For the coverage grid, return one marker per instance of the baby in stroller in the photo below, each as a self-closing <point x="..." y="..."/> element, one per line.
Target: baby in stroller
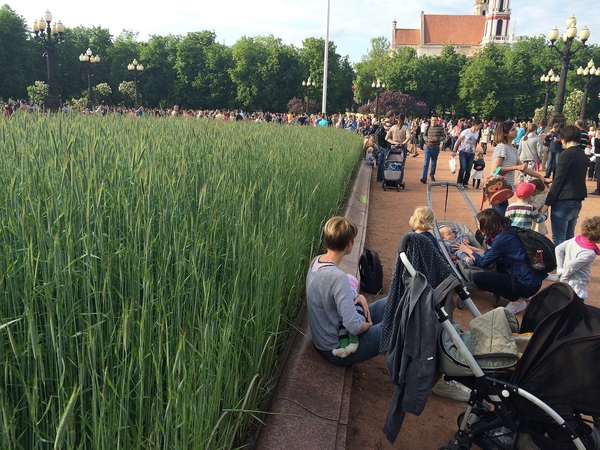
<point x="452" y="239"/>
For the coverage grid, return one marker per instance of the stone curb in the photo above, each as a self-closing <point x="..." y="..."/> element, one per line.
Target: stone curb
<point x="310" y="406"/>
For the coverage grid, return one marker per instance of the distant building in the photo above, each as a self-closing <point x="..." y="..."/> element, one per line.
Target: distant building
<point x="468" y="33"/>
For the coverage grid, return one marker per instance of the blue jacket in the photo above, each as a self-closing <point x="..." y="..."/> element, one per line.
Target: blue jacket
<point x="509" y="251"/>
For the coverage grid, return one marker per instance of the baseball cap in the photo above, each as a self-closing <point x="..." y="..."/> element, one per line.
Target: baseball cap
<point x="525" y="190"/>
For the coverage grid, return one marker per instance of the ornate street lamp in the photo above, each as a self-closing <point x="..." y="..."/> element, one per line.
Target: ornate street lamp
<point x="589" y="74"/>
<point x="136" y="68"/>
<point x="88" y="60"/>
<point x="308" y="83"/>
<point x="565" y="58"/>
<point x="49" y="34"/>
<point x="378" y="86"/>
<point x="549" y="79"/>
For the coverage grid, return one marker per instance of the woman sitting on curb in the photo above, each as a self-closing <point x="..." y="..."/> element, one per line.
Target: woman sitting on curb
<point x="514" y="278"/>
<point x="331" y="300"/>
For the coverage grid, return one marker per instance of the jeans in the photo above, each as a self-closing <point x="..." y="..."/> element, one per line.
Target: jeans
<point x="551" y="163"/>
<point x="501" y="208"/>
<point x="430" y="153"/>
<point x="563" y="218"/>
<point x="466" y="164"/>
<point x="380" y="161"/>
<point x="368" y="342"/>
<point x="502" y="284"/>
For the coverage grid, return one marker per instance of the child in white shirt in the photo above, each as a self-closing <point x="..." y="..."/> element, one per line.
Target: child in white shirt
<point x="574" y="257"/>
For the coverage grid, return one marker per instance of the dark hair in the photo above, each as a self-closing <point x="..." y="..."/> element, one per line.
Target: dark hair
<point x="477" y="122"/>
<point x="539" y="185"/>
<point x="491" y="221"/>
<point x="570" y="133"/>
<point x="502" y="130"/>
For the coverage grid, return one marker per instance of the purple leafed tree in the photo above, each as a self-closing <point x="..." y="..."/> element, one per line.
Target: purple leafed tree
<point x="298" y="106"/>
<point x="397" y="103"/>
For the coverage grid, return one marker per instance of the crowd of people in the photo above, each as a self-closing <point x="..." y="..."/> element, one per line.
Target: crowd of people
<point x="547" y="172"/>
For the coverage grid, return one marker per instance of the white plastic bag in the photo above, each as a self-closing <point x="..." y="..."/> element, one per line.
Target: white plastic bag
<point x="452" y="164"/>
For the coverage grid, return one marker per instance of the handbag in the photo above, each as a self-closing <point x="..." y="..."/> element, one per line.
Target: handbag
<point x="452" y="163"/>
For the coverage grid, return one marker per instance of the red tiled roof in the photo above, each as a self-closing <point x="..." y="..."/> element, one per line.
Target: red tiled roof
<point x="408" y="37"/>
<point x="455" y="29"/>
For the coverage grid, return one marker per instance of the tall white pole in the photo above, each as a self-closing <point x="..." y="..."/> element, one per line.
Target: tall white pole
<point x="326" y="63"/>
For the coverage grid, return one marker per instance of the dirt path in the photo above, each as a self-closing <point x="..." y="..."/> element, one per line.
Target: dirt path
<point x="389" y="212"/>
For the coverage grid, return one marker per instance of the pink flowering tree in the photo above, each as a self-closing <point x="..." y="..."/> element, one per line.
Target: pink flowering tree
<point x="397" y="103"/>
<point x="298" y="106"/>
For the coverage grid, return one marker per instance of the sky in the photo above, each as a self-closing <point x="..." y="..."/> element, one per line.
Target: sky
<point x="352" y="23"/>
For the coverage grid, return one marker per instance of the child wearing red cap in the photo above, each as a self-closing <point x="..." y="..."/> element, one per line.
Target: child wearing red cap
<point x="522" y="213"/>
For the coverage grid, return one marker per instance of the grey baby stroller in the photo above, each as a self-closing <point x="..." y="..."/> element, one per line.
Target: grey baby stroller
<point x="393" y="169"/>
<point x="535" y="390"/>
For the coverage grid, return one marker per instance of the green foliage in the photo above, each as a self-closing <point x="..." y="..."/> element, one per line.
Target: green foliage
<point x="145" y="295"/>
<point x="127" y="88"/>
<point x="572" y="106"/>
<point x="16" y="55"/>
<point x="37" y="92"/>
<point x="102" y="92"/>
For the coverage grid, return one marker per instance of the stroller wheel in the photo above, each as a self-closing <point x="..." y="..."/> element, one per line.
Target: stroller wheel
<point x="383" y="185"/>
<point x="397" y="187"/>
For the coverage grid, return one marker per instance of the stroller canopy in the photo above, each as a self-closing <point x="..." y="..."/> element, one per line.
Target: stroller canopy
<point x="561" y="362"/>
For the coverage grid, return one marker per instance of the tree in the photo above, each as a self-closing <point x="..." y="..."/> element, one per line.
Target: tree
<point x="481" y="85"/>
<point x="16" y="55"/>
<point x="266" y="72"/>
<point x="341" y="75"/>
<point x="37" y="92"/>
<point x="397" y="103"/>
<point x="102" y="92"/>
<point x="161" y="83"/>
<point x="372" y="66"/>
<point x="202" y="65"/>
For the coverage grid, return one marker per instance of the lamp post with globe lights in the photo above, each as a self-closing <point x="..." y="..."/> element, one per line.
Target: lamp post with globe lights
<point x="308" y="83"/>
<point x="88" y="60"/>
<point x="549" y="79"/>
<point x="136" y="68"/>
<point x="378" y="86"/>
<point x="49" y="34"/>
<point x="565" y="57"/>
<point x="589" y="74"/>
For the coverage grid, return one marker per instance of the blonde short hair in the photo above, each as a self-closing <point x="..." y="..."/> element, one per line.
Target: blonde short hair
<point x="422" y="219"/>
<point x="590" y="228"/>
<point x="338" y="232"/>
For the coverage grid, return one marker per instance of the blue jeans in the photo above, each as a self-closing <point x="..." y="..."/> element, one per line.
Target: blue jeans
<point x="563" y="219"/>
<point x="466" y="164"/>
<point x="501" y="208"/>
<point x="368" y="342"/>
<point x="430" y="154"/>
<point x="551" y="163"/>
<point x="502" y="284"/>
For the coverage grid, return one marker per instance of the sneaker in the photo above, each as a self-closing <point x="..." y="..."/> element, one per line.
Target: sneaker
<point x="465" y="187"/>
<point x="432" y="178"/>
<point x="552" y="277"/>
<point x="513" y="308"/>
<point x="594" y="193"/>
<point x="423" y="180"/>
<point x="452" y="389"/>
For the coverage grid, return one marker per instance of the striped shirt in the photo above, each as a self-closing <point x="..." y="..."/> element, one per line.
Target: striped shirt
<point x="510" y="158"/>
<point x="523" y="215"/>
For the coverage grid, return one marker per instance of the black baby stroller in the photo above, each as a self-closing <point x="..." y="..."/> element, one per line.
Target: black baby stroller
<point x="539" y="401"/>
<point x="393" y="168"/>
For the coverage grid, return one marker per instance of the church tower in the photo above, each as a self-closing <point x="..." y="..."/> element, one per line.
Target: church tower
<point x="480" y="8"/>
<point x="497" y="21"/>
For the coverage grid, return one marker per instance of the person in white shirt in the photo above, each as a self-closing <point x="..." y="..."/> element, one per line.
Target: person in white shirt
<point x="467" y="142"/>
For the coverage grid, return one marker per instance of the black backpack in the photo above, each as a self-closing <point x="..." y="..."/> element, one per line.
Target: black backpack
<point x="371" y="272"/>
<point x="540" y="249"/>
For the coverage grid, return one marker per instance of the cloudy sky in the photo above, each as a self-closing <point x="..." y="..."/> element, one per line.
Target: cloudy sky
<point x="352" y="23"/>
